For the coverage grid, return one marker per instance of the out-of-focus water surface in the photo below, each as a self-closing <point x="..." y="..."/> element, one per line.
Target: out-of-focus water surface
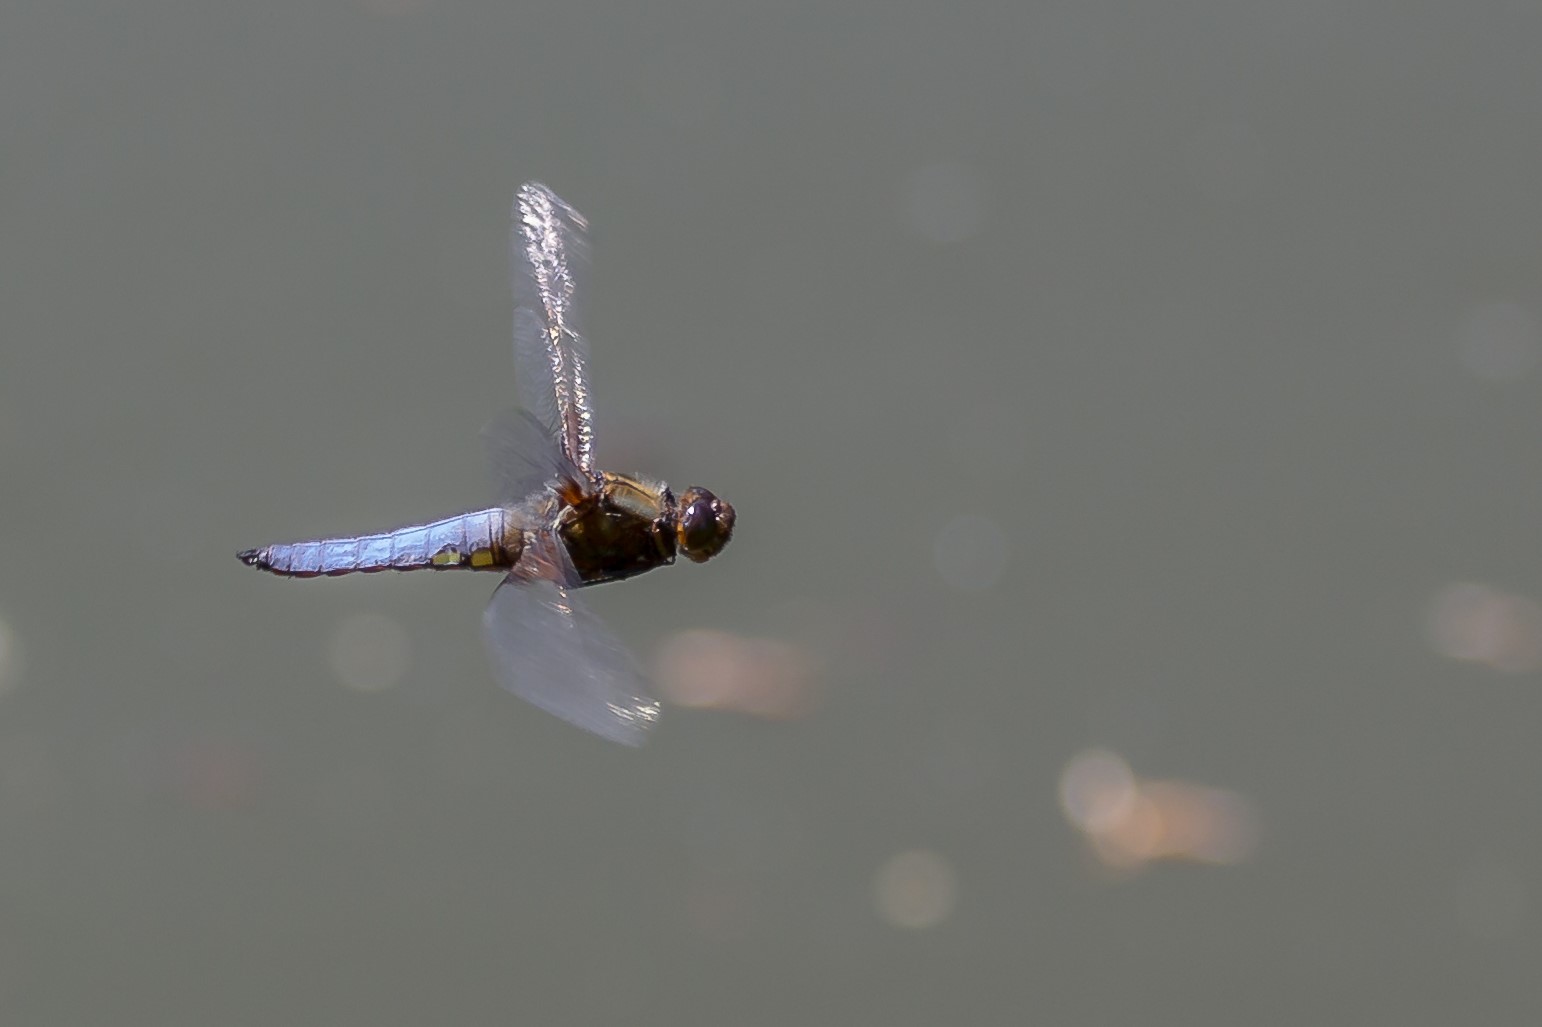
<point x="1133" y="417"/>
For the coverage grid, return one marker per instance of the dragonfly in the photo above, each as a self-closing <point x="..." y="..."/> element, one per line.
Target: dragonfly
<point x="560" y="524"/>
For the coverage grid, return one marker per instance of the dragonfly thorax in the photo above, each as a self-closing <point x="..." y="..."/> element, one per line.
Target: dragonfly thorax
<point x="621" y="530"/>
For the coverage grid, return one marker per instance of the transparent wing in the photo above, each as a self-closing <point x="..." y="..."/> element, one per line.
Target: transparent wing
<point x="551" y="650"/>
<point x="549" y="253"/>
<point x="524" y="458"/>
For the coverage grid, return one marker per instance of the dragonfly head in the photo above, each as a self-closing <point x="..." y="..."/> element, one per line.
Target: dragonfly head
<point x="704" y="525"/>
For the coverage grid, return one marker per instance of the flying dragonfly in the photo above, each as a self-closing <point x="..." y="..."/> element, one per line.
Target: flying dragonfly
<point x="560" y="524"/>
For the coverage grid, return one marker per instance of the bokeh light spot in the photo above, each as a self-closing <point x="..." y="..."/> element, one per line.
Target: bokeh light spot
<point x="915" y="889"/>
<point x="1129" y="821"/>
<point x="1481" y="624"/>
<point x="1097" y="790"/>
<point x="717" y="670"/>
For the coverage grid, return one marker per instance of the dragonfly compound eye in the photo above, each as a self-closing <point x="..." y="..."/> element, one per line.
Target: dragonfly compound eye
<point x="705" y="526"/>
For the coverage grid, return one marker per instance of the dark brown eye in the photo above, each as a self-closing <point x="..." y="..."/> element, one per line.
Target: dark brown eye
<point x="698" y="525"/>
<point x="705" y="525"/>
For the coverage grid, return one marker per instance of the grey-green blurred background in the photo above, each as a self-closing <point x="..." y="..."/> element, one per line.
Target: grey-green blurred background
<point x="1152" y="379"/>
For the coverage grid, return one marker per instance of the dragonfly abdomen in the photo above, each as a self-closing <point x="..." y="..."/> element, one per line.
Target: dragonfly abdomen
<point x="483" y="540"/>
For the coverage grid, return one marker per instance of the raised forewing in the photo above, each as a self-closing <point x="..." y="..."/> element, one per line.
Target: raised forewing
<point x="550" y="649"/>
<point x="549" y="251"/>
<point x="524" y="458"/>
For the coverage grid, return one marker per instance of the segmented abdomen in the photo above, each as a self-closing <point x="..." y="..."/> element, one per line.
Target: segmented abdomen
<point x="484" y="540"/>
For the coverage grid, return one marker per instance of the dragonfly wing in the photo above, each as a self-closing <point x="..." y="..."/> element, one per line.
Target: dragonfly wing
<point x="549" y="255"/>
<point x="524" y="458"/>
<point x="551" y="650"/>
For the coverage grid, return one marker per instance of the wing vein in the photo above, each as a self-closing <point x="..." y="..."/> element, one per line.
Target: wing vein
<point x="549" y="247"/>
